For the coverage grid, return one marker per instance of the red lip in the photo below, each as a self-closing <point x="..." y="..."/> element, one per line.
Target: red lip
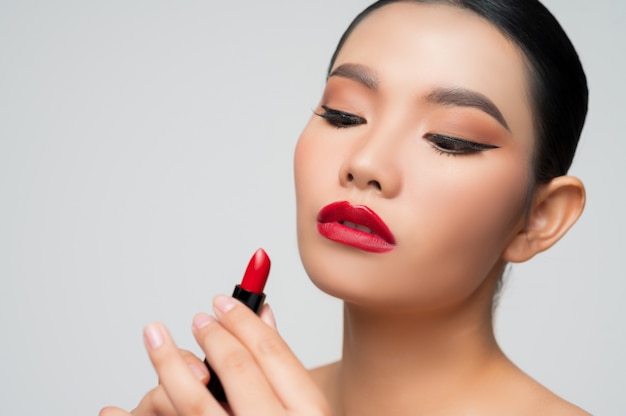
<point x="330" y="224"/>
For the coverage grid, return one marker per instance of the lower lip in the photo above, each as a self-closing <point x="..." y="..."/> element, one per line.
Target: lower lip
<point x="339" y="233"/>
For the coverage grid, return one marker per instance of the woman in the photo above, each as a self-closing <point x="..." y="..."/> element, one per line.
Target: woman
<point x="437" y="155"/>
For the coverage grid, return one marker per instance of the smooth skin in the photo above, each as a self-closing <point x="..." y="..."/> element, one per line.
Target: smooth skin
<point x="418" y="333"/>
<point x="246" y="351"/>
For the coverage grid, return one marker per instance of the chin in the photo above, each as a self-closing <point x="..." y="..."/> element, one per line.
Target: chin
<point x="381" y="281"/>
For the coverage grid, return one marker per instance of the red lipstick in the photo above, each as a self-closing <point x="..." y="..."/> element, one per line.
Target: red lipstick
<point x="356" y="226"/>
<point x="258" y="269"/>
<point x="250" y="293"/>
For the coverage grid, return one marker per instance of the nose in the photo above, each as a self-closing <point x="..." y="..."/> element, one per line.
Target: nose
<point x="372" y="164"/>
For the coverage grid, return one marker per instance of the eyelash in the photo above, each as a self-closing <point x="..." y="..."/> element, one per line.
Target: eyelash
<point x="445" y="145"/>
<point x="340" y="119"/>
<point x="453" y="146"/>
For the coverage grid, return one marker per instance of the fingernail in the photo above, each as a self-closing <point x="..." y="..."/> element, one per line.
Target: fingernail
<point x="223" y="303"/>
<point x="200" y="371"/>
<point x="153" y="336"/>
<point x="201" y="320"/>
<point x="267" y="316"/>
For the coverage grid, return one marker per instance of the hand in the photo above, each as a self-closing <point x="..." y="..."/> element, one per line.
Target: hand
<point x="156" y="401"/>
<point x="260" y="375"/>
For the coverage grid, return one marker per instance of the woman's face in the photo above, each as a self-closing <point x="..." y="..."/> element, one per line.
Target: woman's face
<point x="426" y="120"/>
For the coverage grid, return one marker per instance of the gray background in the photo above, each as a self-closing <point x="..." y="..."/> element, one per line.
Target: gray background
<point x="146" y="152"/>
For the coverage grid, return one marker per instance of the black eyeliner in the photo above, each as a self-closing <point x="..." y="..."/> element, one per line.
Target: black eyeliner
<point x="468" y="147"/>
<point x="340" y="119"/>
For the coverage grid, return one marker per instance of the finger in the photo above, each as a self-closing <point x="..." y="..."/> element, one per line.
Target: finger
<point x="113" y="411"/>
<point x="155" y="403"/>
<point x="197" y="366"/>
<point x="246" y="387"/>
<point x="287" y="376"/>
<point x="267" y="316"/>
<point x="186" y="393"/>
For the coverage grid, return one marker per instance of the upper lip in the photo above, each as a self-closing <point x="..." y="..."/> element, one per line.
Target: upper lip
<point x="359" y="215"/>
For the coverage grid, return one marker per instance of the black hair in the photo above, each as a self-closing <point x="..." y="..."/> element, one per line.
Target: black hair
<point x="558" y="82"/>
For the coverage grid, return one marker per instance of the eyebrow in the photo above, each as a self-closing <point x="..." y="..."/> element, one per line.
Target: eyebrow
<point x="455" y="97"/>
<point x="461" y="97"/>
<point x="359" y="73"/>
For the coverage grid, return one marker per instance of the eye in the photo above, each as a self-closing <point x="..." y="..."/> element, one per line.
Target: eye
<point x="455" y="146"/>
<point x="340" y="119"/>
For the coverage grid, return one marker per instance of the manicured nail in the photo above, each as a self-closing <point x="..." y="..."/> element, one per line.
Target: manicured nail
<point x="201" y="320"/>
<point x="223" y="303"/>
<point x="199" y="370"/>
<point x="154" y="336"/>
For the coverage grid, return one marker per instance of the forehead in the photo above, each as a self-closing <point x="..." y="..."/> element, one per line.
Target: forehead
<point x="415" y="47"/>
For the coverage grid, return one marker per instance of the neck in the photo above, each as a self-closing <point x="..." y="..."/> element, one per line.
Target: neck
<point x="417" y="361"/>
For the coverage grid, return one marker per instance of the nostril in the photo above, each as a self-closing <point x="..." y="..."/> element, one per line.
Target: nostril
<point x="375" y="184"/>
<point x="350" y="177"/>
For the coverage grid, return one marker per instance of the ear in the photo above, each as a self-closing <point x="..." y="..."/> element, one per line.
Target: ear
<point x="556" y="207"/>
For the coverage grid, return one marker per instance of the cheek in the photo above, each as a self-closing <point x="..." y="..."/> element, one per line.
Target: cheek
<point x="310" y="170"/>
<point x="461" y="222"/>
<point x="313" y="167"/>
<point x="318" y="157"/>
<point x="317" y="162"/>
<point x="487" y="201"/>
<point x="309" y="164"/>
<point x="451" y="222"/>
<point x="479" y="203"/>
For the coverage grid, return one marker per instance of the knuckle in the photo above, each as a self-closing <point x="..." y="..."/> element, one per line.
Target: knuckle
<point x="190" y="358"/>
<point x="271" y="346"/>
<point x="155" y="401"/>
<point x="236" y="361"/>
<point x="195" y="406"/>
<point x="185" y="353"/>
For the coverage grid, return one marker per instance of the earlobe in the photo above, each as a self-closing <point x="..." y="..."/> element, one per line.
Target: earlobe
<point x="556" y="207"/>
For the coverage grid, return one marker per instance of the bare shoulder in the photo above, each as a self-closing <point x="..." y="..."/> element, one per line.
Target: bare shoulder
<point x="532" y="398"/>
<point x="507" y="390"/>
<point x="568" y="409"/>
<point x="552" y="405"/>
<point x="549" y="404"/>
